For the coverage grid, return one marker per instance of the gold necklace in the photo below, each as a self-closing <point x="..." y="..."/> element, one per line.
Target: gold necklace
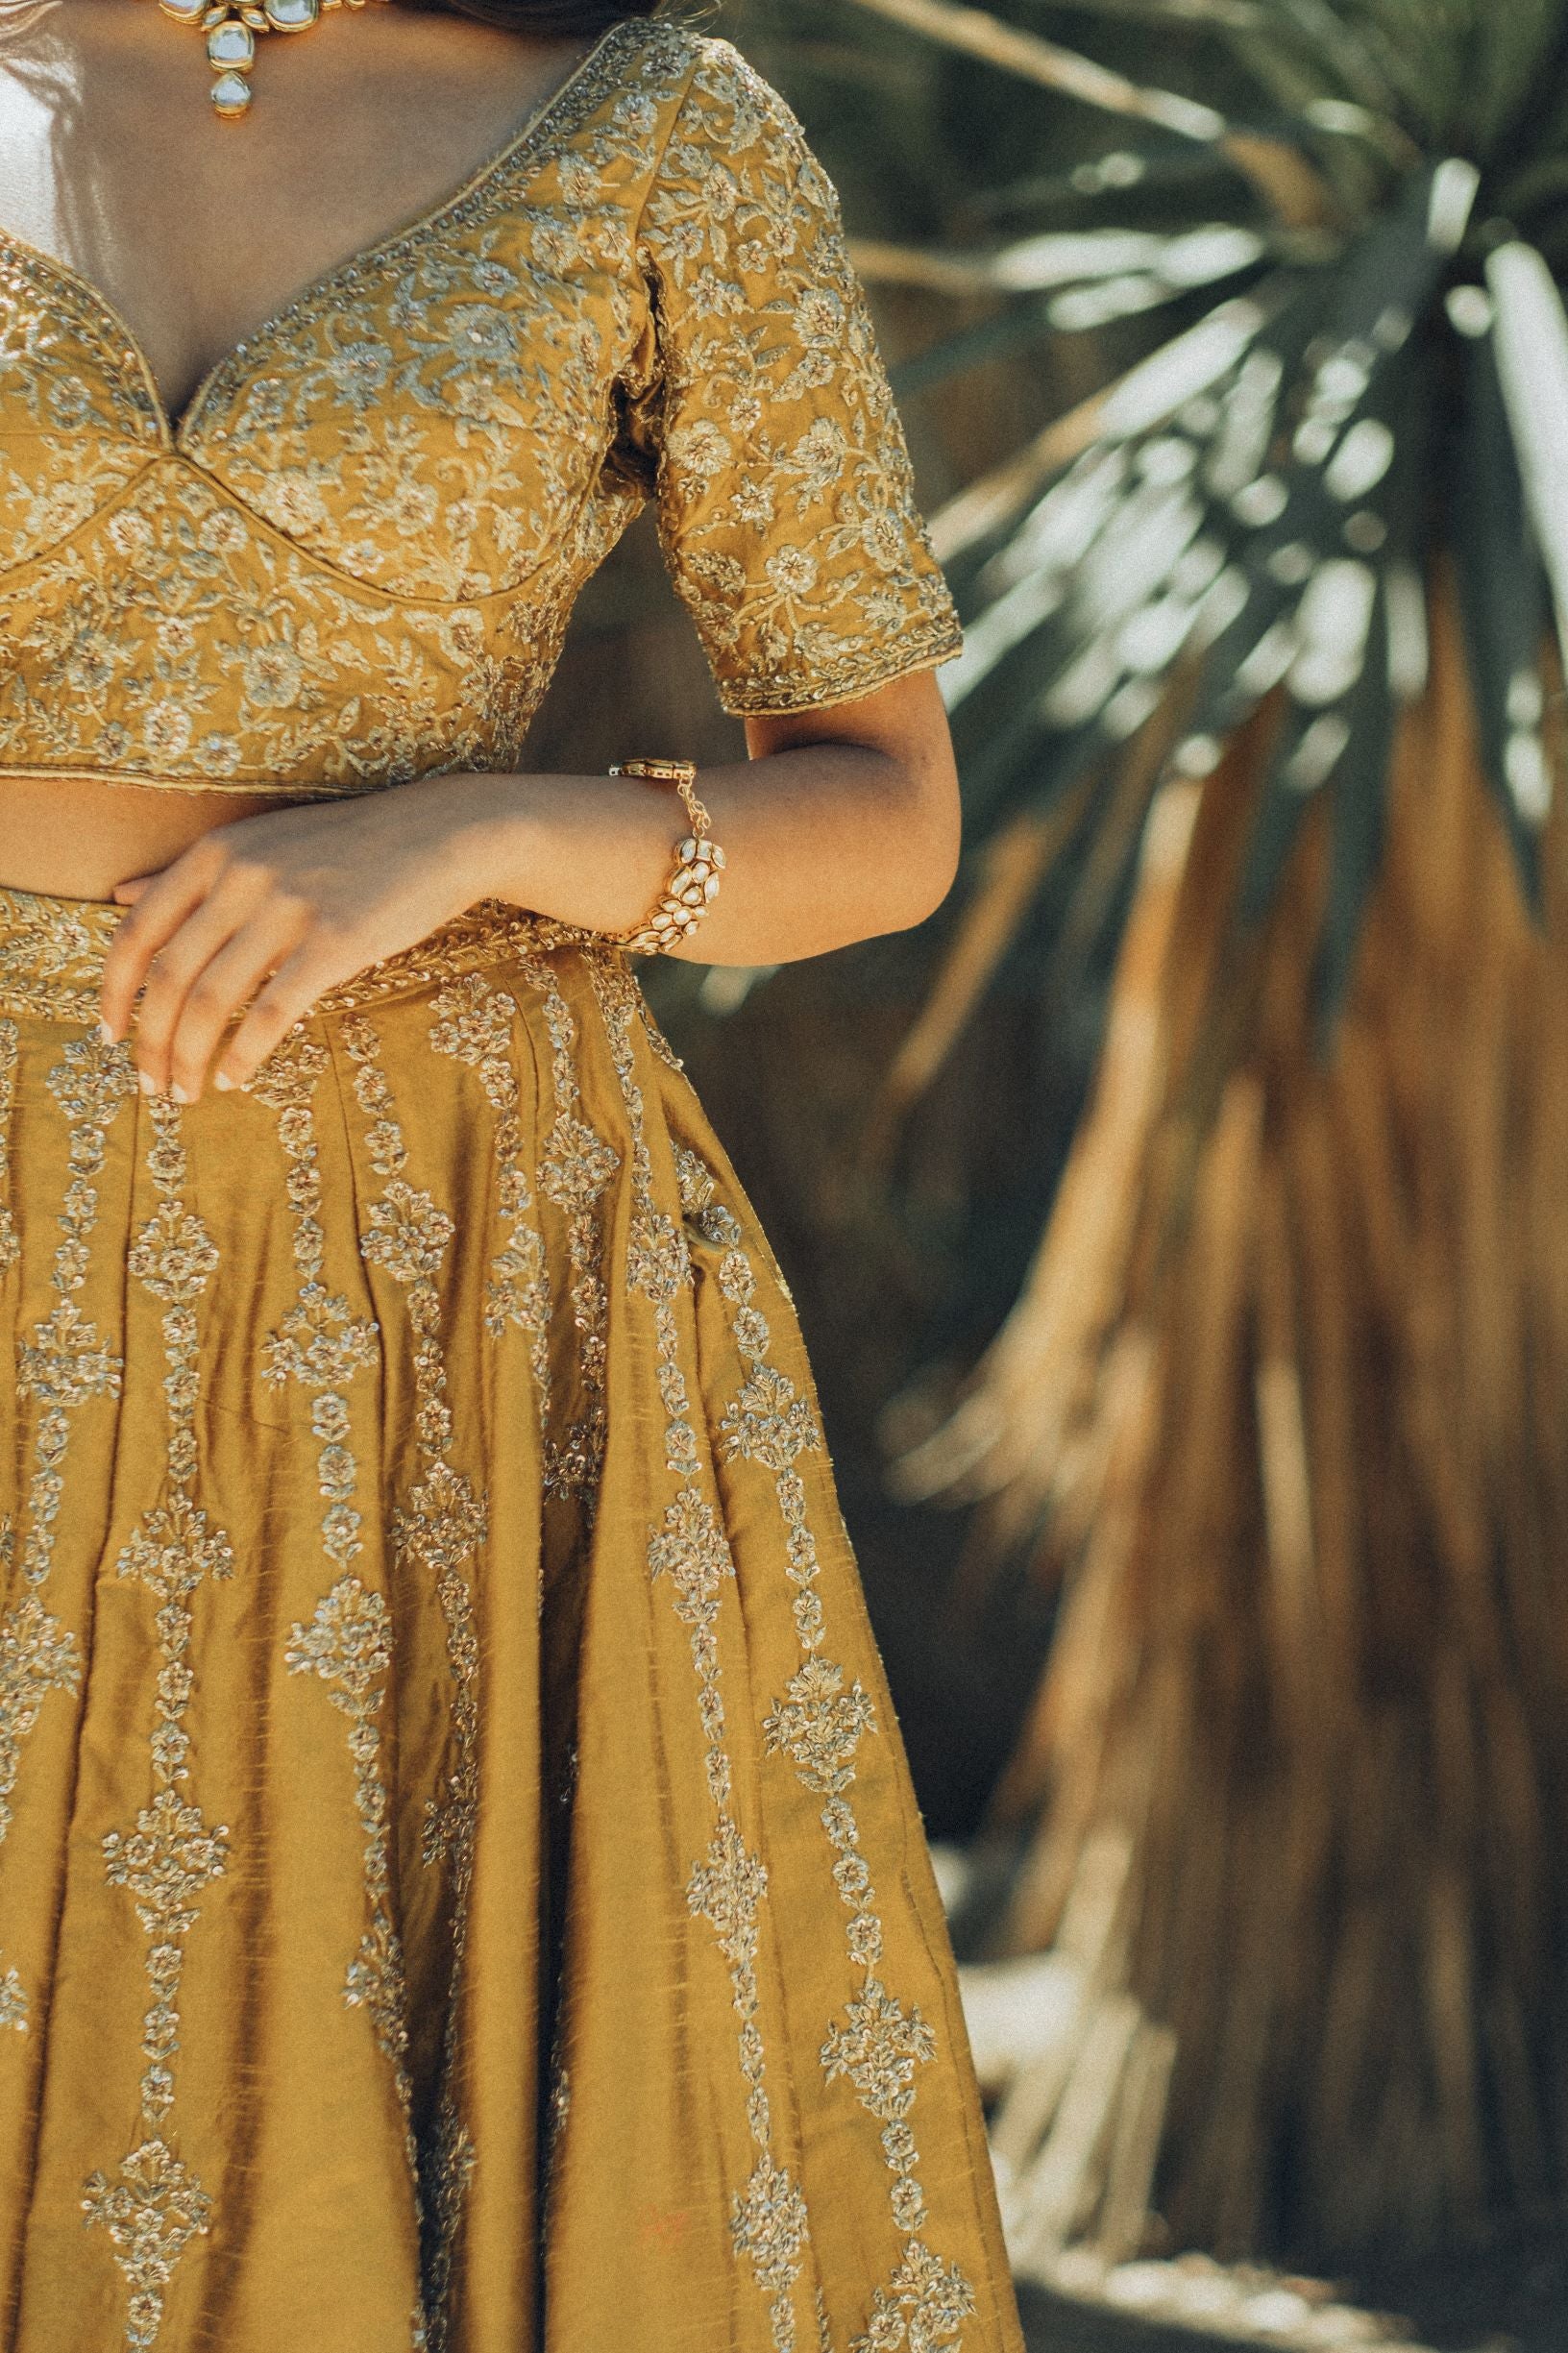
<point x="231" y="26"/>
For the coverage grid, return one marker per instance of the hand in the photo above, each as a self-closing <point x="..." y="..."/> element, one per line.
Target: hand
<point x="264" y="916"/>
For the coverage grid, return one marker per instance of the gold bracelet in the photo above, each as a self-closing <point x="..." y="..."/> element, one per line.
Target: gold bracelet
<point x="700" y="862"/>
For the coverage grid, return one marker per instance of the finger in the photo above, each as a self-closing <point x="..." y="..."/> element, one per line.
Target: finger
<point x="127" y="893"/>
<point x="317" y="965"/>
<point x="228" y="982"/>
<point x="161" y="909"/>
<point x="174" y="967"/>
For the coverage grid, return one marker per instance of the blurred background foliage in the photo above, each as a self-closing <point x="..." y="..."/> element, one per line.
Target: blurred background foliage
<point x="1179" y="1219"/>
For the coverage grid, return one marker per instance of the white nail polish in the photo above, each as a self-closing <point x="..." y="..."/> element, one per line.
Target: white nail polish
<point x="105" y="1033"/>
<point x="179" y="1094"/>
<point x="145" y="1083"/>
<point x="222" y="1080"/>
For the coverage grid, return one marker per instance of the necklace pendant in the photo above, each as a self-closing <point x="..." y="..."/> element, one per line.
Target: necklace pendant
<point x="231" y="50"/>
<point x="231" y="95"/>
<point x="230" y="27"/>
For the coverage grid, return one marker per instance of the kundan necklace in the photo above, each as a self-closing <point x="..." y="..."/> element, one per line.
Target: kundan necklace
<point x="231" y="26"/>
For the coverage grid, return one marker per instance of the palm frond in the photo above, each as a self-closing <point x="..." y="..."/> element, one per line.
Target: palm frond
<point x="1259" y="494"/>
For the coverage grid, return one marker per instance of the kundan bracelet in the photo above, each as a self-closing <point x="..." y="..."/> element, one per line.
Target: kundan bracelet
<point x="694" y="886"/>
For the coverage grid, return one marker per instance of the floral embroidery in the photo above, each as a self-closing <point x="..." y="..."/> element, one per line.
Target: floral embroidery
<point x="348" y="1645"/>
<point x="923" y="2307"/>
<point x="64" y="1362"/>
<point x="820" y="1726"/>
<point x="91" y="420"/>
<point x="770" y="2227"/>
<point x="50" y="958"/>
<point x="62" y="1365"/>
<point x="878" y="2045"/>
<point x="37" y="1656"/>
<point x="152" y="2210"/>
<point x="475" y="1023"/>
<point x="785" y="493"/>
<point x="321" y="1344"/>
<point x="437" y="1531"/>
<point x="769" y="2223"/>
<point x="878" y="2052"/>
<point x="9" y="1244"/>
<point x="354" y="560"/>
<point x="781" y="1780"/>
<point x="575" y="1170"/>
<point x="152" y="2205"/>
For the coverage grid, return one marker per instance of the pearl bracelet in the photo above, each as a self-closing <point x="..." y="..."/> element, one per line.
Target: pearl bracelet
<point x="694" y="886"/>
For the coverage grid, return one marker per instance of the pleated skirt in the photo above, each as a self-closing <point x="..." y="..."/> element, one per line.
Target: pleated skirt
<point x="460" y="1886"/>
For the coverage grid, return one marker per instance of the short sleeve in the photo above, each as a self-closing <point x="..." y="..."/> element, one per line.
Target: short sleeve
<point x="785" y="495"/>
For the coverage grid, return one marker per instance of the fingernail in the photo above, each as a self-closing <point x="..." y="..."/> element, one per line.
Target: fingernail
<point x="144" y="1081"/>
<point x="222" y="1080"/>
<point x="105" y="1033"/>
<point x="178" y="1093"/>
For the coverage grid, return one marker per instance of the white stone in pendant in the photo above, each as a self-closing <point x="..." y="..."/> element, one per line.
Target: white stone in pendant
<point x="231" y="44"/>
<point x="292" y="15"/>
<point x="184" y="11"/>
<point x="231" y="93"/>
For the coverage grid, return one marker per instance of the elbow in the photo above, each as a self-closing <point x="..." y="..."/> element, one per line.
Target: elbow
<point x="928" y="883"/>
<point x="932" y="841"/>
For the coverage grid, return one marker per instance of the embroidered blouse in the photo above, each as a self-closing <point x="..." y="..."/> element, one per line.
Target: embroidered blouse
<point x="352" y="560"/>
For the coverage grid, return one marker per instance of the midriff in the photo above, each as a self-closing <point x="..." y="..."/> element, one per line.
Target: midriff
<point x="78" y="839"/>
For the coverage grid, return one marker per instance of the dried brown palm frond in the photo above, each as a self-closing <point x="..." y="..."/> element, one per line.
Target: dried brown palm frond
<point x="1283" y="1410"/>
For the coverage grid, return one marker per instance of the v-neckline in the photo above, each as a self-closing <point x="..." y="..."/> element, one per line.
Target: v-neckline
<point x="174" y="432"/>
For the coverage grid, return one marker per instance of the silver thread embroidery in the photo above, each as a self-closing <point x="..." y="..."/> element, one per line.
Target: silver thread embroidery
<point x="153" y="2205"/>
<point x="770" y="2226"/>
<point x="436" y="1533"/>
<point x="321" y="1345"/>
<point x="61" y="1363"/>
<point x="818" y="1723"/>
<point x="575" y="1168"/>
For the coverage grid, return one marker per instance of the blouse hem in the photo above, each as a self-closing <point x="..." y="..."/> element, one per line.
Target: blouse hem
<point x="150" y="781"/>
<point x="758" y="703"/>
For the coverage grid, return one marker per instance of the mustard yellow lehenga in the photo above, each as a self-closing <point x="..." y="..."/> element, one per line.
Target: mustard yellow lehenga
<point x="459" y="1881"/>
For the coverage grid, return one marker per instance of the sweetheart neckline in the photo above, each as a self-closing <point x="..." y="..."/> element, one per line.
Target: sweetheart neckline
<point x="176" y="431"/>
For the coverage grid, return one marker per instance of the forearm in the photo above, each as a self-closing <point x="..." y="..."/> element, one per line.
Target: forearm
<point x="826" y="844"/>
<point x="829" y="840"/>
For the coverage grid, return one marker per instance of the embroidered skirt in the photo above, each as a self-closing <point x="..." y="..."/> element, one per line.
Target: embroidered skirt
<point x="459" y="1882"/>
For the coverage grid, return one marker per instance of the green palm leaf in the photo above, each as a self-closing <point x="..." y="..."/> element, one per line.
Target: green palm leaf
<point x="1324" y="421"/>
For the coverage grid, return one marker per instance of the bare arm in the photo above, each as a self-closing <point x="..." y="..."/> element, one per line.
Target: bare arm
<point x="844" y="824"/>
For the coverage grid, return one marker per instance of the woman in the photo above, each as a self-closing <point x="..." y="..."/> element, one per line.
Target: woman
<point x="459" y="1882"/>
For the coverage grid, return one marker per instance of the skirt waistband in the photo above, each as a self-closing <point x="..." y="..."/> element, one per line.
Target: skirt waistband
<point x="51" y="953"/>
